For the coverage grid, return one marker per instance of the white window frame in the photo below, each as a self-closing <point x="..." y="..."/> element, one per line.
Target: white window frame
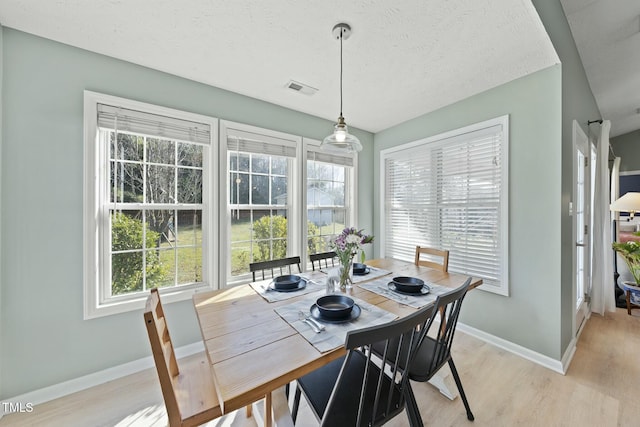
<point x="503" y="287"/>
<point x="351" y="191"/>
<point x="227" y="129"/>
<point x="96" y="172"/>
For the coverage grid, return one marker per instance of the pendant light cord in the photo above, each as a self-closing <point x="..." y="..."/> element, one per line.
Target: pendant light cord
<point x="341" y="30"/>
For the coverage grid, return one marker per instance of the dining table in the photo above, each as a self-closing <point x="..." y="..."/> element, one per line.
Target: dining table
<point x="255" y="346"/>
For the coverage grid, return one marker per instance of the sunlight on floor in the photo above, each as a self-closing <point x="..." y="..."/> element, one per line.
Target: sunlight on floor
<point x="149" y="416"/>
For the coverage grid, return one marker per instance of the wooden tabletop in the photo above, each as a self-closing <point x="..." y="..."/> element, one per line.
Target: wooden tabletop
<point x="253" y="351"/>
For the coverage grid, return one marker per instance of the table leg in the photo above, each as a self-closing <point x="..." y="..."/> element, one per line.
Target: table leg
<point x="249" y="409"/>
<point x="441" y="380"/>
<point x="276" y="411"/>
<point x="445" y="384"/>
<point x="268" y="412"/>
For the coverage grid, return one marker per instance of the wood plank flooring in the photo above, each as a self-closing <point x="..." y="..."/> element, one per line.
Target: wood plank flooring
<point x="600" y="389"/>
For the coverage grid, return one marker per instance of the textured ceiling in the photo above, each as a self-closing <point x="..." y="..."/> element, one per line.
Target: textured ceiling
<point x="404" y="58"/>
<point x="607" y="34"/>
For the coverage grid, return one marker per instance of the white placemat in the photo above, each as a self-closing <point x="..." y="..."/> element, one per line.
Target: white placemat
<point x="380" y="287"/>
<point x="374" y="273"/>
<point x="315" y="282"/>
<point x="334" y="334"/>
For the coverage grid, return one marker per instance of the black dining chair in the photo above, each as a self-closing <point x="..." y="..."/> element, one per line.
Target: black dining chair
<point x="435" y="351"/>
<point x="323" y="259"/>
<point x="274" y="267"/>
<point x="361" y="389"/>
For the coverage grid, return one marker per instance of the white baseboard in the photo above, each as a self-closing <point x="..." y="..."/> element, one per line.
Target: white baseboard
<point x="518" y="350"/>
<point x="82" y="383"/>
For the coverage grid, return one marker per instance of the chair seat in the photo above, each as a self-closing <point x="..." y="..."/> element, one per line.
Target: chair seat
<point x="196" y="392"/>
<point x="318" y="385"/>
<point x="425" y="369"/>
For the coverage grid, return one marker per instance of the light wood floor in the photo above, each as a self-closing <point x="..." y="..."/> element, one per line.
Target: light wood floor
<point x="600" y="389"/>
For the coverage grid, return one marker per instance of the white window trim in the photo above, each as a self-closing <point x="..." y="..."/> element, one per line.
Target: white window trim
<point x="351" y="186"/>
<point x="295" y="213"/>
<point x="503" y="289"/>
<point x="93" y="306"/>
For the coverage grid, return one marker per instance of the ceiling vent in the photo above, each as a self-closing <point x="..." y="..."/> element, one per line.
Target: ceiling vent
<point x="301" y="87"/>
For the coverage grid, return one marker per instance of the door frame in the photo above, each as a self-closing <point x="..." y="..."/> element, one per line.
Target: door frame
<point x="581" y="238"/>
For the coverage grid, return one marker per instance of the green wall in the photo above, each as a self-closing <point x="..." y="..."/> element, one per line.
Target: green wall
<point x="1" y="181"/>
<point x="578" y="104"/>
<point x="45" y="340"/>
<point x="531" y="314"/>
<point x="627" y="147"/>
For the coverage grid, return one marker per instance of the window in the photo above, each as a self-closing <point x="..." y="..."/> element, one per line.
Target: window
<point x="147" y="181"/>
<point x="261" y="197"/>
<point x="269" y="215"/>
<point x="450" y="192"/>
<point x="330" y="180"/>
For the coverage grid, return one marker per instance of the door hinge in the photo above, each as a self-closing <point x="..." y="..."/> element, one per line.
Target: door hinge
<point x="586" y="161"/>
<point x="586" y="229"/>
<point x="587" y="298"/>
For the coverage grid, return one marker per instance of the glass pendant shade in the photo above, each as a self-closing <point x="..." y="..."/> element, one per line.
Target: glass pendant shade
<point x="340" y="140"/>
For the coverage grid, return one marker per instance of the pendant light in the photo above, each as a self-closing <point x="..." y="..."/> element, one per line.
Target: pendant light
<point x="340" y="140"/>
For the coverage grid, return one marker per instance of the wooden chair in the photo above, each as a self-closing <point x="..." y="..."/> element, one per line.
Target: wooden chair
<point x="443" y="255"/>
<point x="189" y="392"/>
<point x="275" y="266"/>
<point x="322" y="258"/>
<point x="360" y="389"/>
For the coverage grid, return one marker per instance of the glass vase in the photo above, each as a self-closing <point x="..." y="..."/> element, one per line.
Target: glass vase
<point x="345" y="281"/>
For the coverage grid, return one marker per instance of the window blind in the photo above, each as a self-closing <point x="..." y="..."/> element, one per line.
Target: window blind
<point x="317" y="155"/>
<point x="263" y="144"/>
<point x="154" y="125"/>
<point x="449" y="193"/>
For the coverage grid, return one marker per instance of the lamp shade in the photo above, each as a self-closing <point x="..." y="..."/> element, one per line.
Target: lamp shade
<point x="341" y="141"/>
<point x="630" y="202"/>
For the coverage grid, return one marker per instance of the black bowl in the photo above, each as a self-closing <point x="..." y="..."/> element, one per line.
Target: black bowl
<point x="289" y="281"/>
<point x="359" y="268"/>
<point x="335" y="306"/>
<point x="408" y="284"/>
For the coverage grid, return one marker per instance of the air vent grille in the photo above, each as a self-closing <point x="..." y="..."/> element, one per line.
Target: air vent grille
<point x="301" y="87"/>
<point x="295" y="86"/>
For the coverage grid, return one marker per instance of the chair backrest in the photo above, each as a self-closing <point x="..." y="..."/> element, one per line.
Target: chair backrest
<point x="441" y="261"/>
<point x="163" y="354"/>
<point x="380" y="397"/>
<point x="189" y="394"/>
<point x="323" y="259"/>
<point x="448" y="305"/>
<point x="276" y="267"/>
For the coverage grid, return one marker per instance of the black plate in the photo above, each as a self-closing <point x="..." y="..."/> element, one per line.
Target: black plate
<point x="423" y="291"/>
<point x="301" y="285"/>
<point x="355" y="313"/>
<point x="364" y="273"/>
<point x="288" y="281"/>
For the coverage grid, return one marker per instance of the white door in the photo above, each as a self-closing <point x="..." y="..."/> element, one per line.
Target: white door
<point x="582" y="191"/>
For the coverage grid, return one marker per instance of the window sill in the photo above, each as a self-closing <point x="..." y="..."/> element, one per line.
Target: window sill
<point x="94" y="311"/>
